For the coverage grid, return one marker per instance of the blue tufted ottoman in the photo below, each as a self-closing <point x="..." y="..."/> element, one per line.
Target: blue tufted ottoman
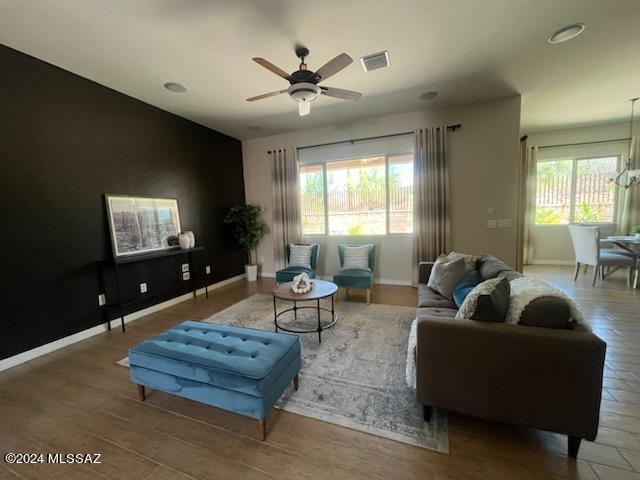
<point x="241" y="370"/>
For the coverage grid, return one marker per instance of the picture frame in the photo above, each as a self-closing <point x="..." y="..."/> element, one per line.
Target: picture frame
<point x="139" y="225"/>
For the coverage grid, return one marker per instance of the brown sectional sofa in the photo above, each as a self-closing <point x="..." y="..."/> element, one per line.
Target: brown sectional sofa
<point x="544" y="378"/>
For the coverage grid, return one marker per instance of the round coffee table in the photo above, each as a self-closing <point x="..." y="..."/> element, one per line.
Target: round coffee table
<point x="321" y="289"/>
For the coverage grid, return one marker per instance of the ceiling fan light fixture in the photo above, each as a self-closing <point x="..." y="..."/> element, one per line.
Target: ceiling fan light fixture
<point x="566" y="33"/>
<point x="303" y="92"/>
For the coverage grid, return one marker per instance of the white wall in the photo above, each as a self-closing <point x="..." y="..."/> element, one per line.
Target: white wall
<point x="551" y="244"/>
<point x="484" y="162"/>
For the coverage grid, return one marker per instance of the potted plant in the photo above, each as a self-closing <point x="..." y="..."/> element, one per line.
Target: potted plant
<point x="249" y="228"/>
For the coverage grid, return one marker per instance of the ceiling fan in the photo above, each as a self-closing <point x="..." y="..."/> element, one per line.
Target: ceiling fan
<point x="304" y="87"/>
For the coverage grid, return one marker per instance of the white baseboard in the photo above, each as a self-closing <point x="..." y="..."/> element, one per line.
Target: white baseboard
<point x="551" y="262"/>
<point x="268" y="274"/>
<point x="90" y="332"/>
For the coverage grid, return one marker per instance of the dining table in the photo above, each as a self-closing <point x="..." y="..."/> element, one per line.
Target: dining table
<point x="630" y="243"/>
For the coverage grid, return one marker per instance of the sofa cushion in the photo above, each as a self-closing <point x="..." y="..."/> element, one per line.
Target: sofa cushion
<point x="548" y="312"/>
<point x="447" y="271"/>
<point x="354" y="279"/>
<point x="488" y="301"/>
<point x="429" y="298"/>
<point x="468" y="283"/>
<point x="436" y="312"/>
<point x="490" y="267"/>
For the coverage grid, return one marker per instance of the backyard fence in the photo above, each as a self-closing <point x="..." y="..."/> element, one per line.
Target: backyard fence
<point x="591" y="189"/>
<point x="366" y="200"/>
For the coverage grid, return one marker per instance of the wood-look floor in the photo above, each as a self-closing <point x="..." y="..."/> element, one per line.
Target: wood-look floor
<point x="78" y="400"/>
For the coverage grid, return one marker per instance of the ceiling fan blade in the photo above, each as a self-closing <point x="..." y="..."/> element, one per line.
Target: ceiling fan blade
<point x="304" y="108"/>
<point x="265" y="95"/>
<point x="271" y="67"/>
<point x="341" y="93"/>
<point x="334" y="66"/>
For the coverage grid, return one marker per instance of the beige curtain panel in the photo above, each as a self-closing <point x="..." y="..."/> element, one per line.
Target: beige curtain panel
<point x="287" y="226"/>
<point x="629" y="210"/>
<point x="431" y="205"/>
<point x="526" y="204"/>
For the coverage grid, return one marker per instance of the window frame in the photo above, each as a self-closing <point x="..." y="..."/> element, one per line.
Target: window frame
<point x="387" y="200"/>
<point x="574" y="179"/>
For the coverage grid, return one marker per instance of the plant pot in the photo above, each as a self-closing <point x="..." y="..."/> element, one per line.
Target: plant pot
<point x="252" y="272"/>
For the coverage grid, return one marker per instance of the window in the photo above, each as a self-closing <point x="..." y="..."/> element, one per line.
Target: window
<point x="364" y="196"/>
<point x="578" y="190"/>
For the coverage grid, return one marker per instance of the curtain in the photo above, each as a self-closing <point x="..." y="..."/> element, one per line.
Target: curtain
<point x="287" y="226"/>
<point x="431" y="206"/>
<point x="526" y="203"/>
<point x="629" y="204"/>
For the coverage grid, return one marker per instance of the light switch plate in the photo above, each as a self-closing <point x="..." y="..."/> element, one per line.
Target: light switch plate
<point x="143" y="288"/>
<point x="207" y="269"/>
<point x="491" y="211"/>
<point x="504" y="223"/>
<point x="492" y="223"/>
<point x="185" y="267"/>
<point x="186" y="276"/>
<point x="102" y="299"/>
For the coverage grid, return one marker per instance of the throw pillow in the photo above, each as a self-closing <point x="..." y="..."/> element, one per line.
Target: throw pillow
<point x="470" y="261"/>
<point x="300" y="256"/>
<point x="464" y="287"/>
<point x="488" y="301"/>
<point x="446" y="274"/>
<point x="356" y="258"/>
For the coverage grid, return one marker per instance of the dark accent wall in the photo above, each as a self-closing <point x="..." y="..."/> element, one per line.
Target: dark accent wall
<point x="64" y="142"/>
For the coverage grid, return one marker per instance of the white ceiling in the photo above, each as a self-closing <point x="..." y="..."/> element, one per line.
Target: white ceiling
<point x="468" y="50"/>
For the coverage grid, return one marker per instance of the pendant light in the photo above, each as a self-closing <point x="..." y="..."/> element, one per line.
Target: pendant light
<point x="632" y="176"/>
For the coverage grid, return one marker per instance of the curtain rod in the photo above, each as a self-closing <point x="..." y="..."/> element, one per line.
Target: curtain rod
<point x="584" y="143"/>
<point x="453" y="128"/>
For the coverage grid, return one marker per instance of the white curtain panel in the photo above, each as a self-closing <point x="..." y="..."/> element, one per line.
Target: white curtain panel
<point x="431" y="204"/>
<point x="629" y="209"/>
<point x="287" y="225"/>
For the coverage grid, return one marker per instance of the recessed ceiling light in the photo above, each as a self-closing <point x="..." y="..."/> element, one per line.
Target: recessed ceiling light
<point x="175" y="87"/>
<point x="429" y="95"/>
<point x="566" y="33"/>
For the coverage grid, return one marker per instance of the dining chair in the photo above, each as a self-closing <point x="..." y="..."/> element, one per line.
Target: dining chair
<point x="586" y="245"/>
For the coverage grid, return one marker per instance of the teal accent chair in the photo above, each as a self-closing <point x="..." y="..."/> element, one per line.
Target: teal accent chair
<point x="353" y="278"/>
<point x="287" y="274"/>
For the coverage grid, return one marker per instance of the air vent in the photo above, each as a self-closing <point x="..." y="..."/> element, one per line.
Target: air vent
<point x="375" y="61"/>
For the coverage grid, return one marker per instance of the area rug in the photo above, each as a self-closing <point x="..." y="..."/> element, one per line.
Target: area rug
<point x="354" y="378"/>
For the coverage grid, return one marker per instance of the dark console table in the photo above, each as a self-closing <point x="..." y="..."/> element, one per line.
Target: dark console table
<point x="118" y="261"/>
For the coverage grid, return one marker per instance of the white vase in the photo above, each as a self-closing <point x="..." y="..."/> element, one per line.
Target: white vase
<point x="192" y="238"/>
<point x="184" y="241"/>
<point x="252" y="272"/>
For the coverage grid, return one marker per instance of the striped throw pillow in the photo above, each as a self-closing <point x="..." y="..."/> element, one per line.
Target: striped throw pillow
<point x="300" y="256"/>
<point x="356" y="258"/>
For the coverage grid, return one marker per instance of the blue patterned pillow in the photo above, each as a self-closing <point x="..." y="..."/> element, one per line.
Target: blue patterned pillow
<point x="466" y="284"/>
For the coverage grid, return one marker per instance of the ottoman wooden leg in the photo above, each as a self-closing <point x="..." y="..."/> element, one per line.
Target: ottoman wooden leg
<point x="141" y="395"/>
<point x="368" y="296"/>
<point x="295" y="383"/>
<point x="262" y="424"/>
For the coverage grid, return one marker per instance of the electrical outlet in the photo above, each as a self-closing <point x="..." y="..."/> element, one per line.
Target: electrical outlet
<point x="185" y="267"/>
<point x="102" y="299"/>
<point x="492" y="224"/>
<point x="207" y="269"/>
<point x="261" y="260"/>
<point x="186" y="276"/>
<point x="491" y="211"/>
<point x="143" y="288"/>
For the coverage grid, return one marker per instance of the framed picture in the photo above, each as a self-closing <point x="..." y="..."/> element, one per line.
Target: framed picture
<point x="141" y="224"/>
